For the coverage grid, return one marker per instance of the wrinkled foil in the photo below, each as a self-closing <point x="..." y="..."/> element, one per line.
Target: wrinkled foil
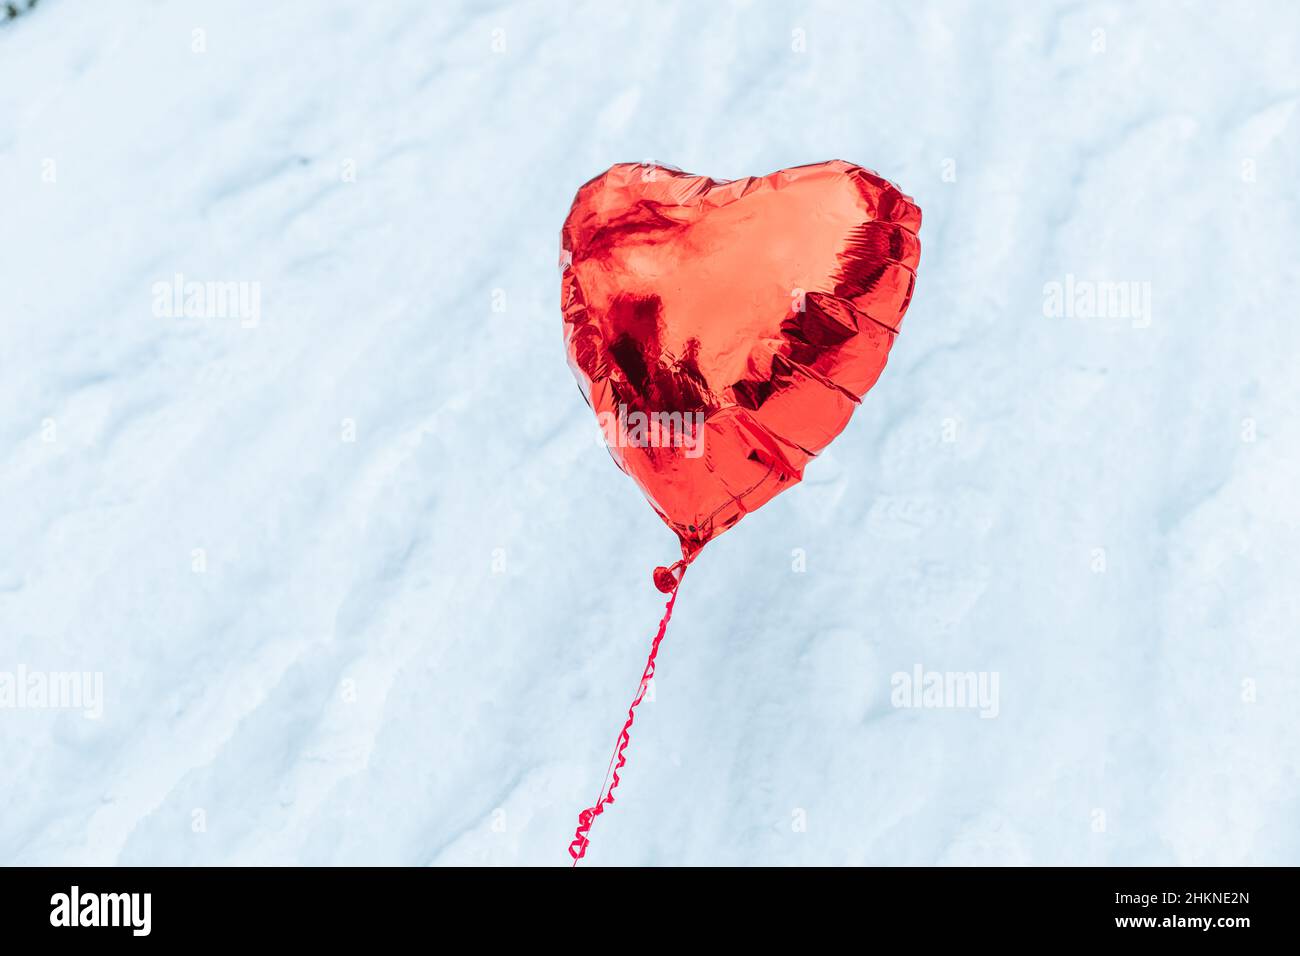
<point x="760" y="311"/>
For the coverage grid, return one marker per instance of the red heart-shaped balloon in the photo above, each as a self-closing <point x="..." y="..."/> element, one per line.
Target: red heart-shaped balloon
<point x="757" y="312"/>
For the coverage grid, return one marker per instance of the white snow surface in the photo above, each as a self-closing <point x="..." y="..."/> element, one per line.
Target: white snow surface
<point x="417" y="646"/>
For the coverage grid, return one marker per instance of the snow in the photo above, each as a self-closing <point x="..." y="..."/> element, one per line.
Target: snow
<point x="363" y="588"/>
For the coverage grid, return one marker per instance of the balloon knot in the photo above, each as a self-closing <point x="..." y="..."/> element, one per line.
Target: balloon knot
<point x="667" y="579"/>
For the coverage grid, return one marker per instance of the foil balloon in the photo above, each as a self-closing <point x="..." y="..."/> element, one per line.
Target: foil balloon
<point x="724" y="331"/>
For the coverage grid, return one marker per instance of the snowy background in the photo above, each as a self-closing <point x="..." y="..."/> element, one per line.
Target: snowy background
<point x="363" y="588"/>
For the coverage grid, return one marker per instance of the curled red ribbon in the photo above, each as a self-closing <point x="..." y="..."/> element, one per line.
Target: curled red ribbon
<point x="581" y="838"/>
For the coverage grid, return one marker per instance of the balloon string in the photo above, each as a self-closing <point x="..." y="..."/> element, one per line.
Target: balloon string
<point x="581" y="838"/>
